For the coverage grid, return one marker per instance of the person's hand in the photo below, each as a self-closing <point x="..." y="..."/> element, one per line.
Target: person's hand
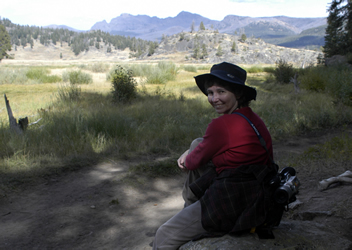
<point x="182" y="160"/>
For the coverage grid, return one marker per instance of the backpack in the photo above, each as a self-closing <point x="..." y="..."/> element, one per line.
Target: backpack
<point x="280" y="190"/>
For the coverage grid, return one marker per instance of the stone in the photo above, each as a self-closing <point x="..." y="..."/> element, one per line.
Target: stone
<point x="290" y="234"/>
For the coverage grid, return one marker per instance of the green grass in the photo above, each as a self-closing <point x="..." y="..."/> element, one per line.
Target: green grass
<point x="83" y="125"/>
<point x="27" y="75"/>
<point x="41" y="75"/>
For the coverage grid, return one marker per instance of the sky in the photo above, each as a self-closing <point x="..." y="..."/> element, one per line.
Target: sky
<point x="82" y="15"/>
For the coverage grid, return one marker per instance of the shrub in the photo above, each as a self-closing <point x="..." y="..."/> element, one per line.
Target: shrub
<point x="254" y="69"/>
<point x="154" y="74"/>
<point x="190" y="68"/>
<point x="313" y="79"/>
<point x="269" y="69"/>
<point x="124" y="85"/>
<point x="17" y="76"/>
<point x="169" y="69"/>
<point x="41" y="75"/>
<point x="335" y="81"/>
<point x="99" y="67"/>
<point x="77" y="77"/>
<point x="283" y="72"/>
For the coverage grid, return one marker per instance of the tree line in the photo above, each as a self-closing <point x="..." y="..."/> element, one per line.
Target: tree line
<point x="23" y="35"/>
<point x="338" y="36"/>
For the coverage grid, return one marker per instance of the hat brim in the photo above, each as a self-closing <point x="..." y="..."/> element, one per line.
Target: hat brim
<point x="250" y="92"/>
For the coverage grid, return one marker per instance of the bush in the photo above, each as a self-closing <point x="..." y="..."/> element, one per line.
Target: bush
<point x="169" y="70"/>
<point x="153" y="74"/>
<point x="124" y="85"/>
<point x="190" y="68"/>
<point x="41" y="75"/>
<point x="99" y="67"/>
<point x="16" y="76"/>
<point x="283" y="72"/>
<point x="77" y="77"/>
<point x="335" y="81"/>
<point x="269" y="69"/>
<point x="313" y="79"/>
<point x="255" y="69"/>
<point x="162" y="73"/>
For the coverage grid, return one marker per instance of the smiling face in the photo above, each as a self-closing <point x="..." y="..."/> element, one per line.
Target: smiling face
<point x="223" y="101"/>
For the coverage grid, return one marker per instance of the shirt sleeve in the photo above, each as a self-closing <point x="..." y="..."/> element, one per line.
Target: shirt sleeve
<point x="214" y="142"/>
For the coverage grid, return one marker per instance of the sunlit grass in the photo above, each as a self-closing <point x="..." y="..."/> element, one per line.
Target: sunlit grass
<point x="162" y="120"/>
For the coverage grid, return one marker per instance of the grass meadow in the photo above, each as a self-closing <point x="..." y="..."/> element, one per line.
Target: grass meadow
<point x="79" y="125"/>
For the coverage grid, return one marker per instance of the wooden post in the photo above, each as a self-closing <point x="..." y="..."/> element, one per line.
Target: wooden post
<point x="296" y="83"/>
<point x="23" y="123"/>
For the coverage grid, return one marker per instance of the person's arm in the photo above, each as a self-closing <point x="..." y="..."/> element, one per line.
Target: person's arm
<point x="182" y="160"/>
<point x="214" y="141"/>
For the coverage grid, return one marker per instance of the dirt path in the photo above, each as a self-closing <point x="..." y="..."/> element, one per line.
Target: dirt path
<point x="96" y="208"/>
<point x="103" y="207"/>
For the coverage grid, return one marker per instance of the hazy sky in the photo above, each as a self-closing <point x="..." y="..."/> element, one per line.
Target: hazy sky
<point x="83" y="15"/>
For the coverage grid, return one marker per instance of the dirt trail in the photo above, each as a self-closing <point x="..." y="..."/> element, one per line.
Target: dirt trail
<point x="94" y="208"/>
<point x="103" y="207"/>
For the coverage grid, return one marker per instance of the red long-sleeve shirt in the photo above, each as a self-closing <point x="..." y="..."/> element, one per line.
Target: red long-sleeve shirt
<point x="230" y="142"/>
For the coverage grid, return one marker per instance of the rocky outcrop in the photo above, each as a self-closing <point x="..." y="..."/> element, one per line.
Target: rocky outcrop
<point x="213" y="47"/>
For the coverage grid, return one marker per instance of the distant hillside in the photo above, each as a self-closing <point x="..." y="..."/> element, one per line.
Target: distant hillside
<point x="214" y="47"/>
<point x="54" y="26"/>
<point x="204" y="46"/>
<point x="286" y="31"/>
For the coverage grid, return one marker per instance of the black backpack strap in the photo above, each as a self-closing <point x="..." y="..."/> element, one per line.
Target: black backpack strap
<point x="261" y="139"/>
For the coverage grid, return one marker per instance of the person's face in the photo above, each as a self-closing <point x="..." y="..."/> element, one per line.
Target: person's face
<point x="223" y="101"/>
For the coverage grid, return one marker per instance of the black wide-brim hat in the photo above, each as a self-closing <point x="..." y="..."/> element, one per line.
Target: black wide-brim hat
<point x="230" y="73"/>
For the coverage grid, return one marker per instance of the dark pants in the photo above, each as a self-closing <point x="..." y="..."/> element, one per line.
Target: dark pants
<point x="186" y="224"/>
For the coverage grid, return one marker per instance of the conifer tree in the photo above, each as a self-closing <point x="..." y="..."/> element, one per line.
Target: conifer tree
<point x="338" y="34"/>
<point x="201" y="26"/>
<point x="192" y="27"/>
<point x="5" y="42"/>
<point x="204" y="51"/>
<point x="219" y="51"/>
<point x="233" y="48"/>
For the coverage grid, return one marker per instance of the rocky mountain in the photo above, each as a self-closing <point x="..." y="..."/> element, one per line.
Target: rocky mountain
<point x="208" y="46"/>
<point x="280" y="30"/>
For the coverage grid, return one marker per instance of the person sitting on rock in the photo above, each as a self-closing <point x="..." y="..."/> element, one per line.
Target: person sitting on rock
<point x="224" y="190"/>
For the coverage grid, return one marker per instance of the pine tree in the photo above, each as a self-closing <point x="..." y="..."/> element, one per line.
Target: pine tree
<point x="192" y="27"/>
<point x="5" y="42"/>
<point x="196" y="52"/>
<point x="233" y="48"/>
<point x="204" y="52"/>
<point x="338" y="38"/>
<point x="219" y="52"/>
<point x="201" y="26"/>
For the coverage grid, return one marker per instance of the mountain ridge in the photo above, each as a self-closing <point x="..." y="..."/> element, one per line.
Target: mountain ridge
<point x="154" y="28"/>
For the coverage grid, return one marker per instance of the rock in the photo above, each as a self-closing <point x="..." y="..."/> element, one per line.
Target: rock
<point x="335" y="60"/>
<point x="289" y="235"/>
<point x="251" y="51"/>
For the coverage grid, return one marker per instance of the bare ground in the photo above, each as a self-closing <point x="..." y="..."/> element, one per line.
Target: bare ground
<point x="106" y="207"/>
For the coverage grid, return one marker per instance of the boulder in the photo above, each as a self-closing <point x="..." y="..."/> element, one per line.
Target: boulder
<point x="291" y="234"/>
<point x="335" y="60"/>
